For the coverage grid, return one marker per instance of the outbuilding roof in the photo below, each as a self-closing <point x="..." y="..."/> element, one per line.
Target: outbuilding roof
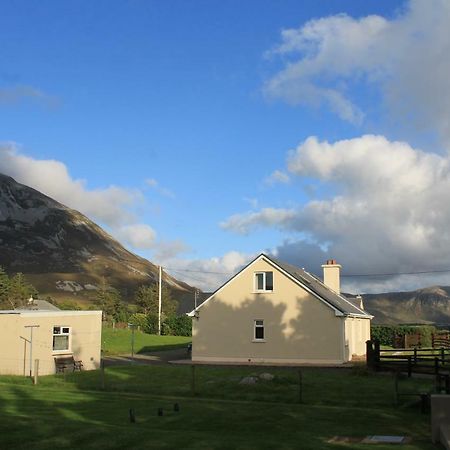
<point x="338" y="302"/>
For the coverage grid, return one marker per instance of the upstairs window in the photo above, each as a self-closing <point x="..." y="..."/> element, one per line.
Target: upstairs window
<point x="259" y="330"/>
<point x="263" y="281"/>
<point x="61" y="339"/>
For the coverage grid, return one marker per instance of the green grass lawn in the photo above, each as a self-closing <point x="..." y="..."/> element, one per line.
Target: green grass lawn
<point x="118" y="341"/>
<point x="77" y="413"/>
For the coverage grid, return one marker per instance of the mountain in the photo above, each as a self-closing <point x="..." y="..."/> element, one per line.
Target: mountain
<point x="62" y="252"/>
<point x="428" y="305"/>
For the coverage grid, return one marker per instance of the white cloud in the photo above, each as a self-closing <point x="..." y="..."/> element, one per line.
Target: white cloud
<point x="405" y="57"/>
<point x="16" y="94"/>
<point x="277" y="176"/>
<point x="167" y="250"/>
<point x="207" y="274"/>
<point x="253" y="202"/>
<point x="243" y="223"/>
<point x="387" y="208"/>
<point x="158" y="188"/>
<point x="108" y="205"/>
<point x="138" y="236"/>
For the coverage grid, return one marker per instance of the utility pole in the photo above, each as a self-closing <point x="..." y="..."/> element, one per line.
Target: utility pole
<point x="159" y="299"/>
<point x="133" y="327"/>
<point x="195" y="298"/>
<point x="31" y="346"/>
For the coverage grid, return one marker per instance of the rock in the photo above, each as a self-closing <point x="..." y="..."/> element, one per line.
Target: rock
<point x="249" y="380"/>
<point x="266" y="376"/>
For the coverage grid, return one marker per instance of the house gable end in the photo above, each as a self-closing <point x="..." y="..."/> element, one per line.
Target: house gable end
<point x="273" y="264"/>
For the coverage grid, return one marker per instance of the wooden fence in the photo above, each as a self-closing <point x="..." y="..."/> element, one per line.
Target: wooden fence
<point x="440" y="340"/>
<point x="433" y="361"/>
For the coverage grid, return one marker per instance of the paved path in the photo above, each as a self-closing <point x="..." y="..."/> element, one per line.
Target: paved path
<point x="152" y="358"/>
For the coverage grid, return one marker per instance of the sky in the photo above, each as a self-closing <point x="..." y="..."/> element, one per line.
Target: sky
<point x="201" y="133"/>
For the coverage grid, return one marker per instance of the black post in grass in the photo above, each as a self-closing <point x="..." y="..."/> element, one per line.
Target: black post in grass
<point x="132" y="416"/>
<point x="176" y="407"/>
<point x="396" y="377"/>
<point x="102" y="373"/>
<point x="160" y="412"/>
<point x="300" y="386"/>
<point x="193" y="379"/>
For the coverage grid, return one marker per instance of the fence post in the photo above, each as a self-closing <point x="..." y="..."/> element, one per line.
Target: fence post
<point x="36" y="371"/>
<point x="432" y="340"/>
<point x="443" y="355"/>
<point x="436" y="366"/>
<point x="300" y="386"/>
<point x="369" y="355"/>
<point x="396" y="388"/>
<point x="409" y="367"/>
<point x="415" y="355"/>
<point x="102" y="373"/>
<point x="193" y="379"/>
<point x="377" y="354"/>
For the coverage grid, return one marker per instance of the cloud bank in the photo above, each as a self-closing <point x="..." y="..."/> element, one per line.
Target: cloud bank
<point x="405" y="58"/>
<point x="387" y="208"/>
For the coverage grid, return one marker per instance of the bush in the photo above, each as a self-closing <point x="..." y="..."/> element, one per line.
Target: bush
<point x="386" y="333"/>
<point x="177" y="326"/>
<point x="141" y="321"/>
<point x="152" y="321"/>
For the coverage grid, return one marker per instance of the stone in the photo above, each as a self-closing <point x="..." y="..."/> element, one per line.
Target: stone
<point x="266" y="376"/>
<point x="249" y="380"/>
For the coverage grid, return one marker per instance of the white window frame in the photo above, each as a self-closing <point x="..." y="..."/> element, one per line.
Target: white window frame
<point x="256" y="326"/>
<point x="62" y="333"/>
<point x="255" y="281"/>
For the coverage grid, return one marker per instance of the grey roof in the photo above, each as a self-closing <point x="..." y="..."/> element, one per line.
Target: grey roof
<point x="338" y="301"/>
<point x="39" y="305"/>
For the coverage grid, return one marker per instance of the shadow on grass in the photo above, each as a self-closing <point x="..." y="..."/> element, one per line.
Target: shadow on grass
<point x="76" y="413"/>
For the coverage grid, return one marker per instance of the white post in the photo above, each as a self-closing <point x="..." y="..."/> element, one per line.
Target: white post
<point x="159" y="300"/>
<point x="31" y="346"/>
<point x="36" y="371"/>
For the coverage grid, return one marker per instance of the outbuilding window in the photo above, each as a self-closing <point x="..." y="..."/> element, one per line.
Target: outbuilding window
<point x="61" y="338"/>
<point x="259" y="330"/>
<point x="264" y="281"/>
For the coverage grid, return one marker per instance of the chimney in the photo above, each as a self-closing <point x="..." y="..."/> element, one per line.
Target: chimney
<point x="331" y="275"/>
<point x="360" y="302"/>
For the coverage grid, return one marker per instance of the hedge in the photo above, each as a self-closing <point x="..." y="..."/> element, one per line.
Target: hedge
<point x="170" y="326"/>
<point x="386" y="333"/>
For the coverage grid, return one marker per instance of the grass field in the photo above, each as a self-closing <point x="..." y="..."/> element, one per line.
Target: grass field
<point x="76" y="413"/>
<point x="118" y="341"/>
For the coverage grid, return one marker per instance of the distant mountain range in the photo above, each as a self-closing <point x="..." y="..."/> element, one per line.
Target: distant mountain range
<point x="429" y="305"/>
<point x="62" y="252"/>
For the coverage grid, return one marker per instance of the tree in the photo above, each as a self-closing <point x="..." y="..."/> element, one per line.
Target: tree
<point x="146" y="298"/>
<point x="110" y="301"/>
<point x="4" y="289"/>
<point x="20" y="290"/>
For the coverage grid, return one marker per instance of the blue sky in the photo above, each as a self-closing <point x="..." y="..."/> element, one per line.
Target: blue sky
<point x="165" y="121"/>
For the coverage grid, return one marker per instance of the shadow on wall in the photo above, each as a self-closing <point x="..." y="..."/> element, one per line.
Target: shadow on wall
<point x="306" y="329"/>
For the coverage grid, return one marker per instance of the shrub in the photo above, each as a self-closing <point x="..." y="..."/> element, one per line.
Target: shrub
<point x="141" y="321"/>
<point x="152" y="323"/>
<point x="177" y="326"/>
<point x="386" y="333"/>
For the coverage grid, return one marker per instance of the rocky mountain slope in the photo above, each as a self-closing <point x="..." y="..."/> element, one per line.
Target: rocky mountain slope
<point x="62" y="252"/>
<point x="428" y="305"/>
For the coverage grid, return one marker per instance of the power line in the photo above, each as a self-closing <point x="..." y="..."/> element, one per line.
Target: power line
<point x="198" y="271"/>
<point x="394" y="273"/>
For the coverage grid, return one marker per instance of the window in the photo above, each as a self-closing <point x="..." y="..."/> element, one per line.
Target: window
<point x="61" y="338"/>
<point x="264" y="281"/>
<point x="259" y="330"/>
